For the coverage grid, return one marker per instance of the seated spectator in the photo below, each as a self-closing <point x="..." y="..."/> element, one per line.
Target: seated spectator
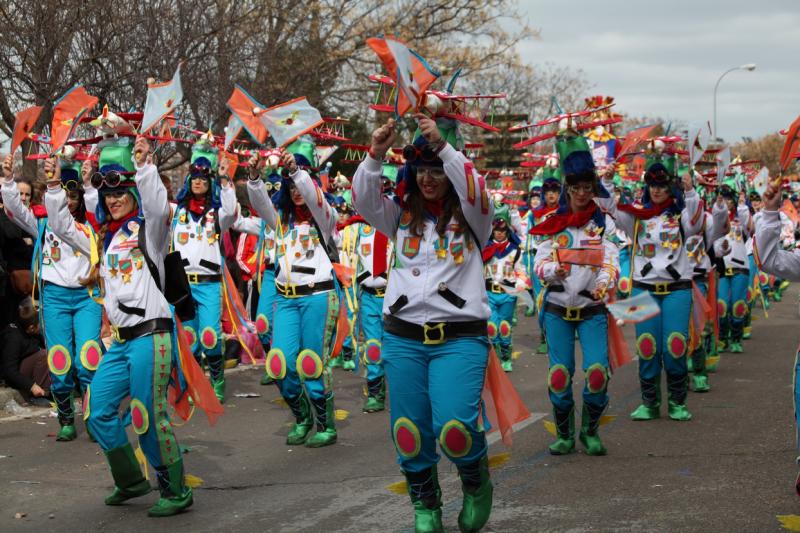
<point x="23" y="359"/>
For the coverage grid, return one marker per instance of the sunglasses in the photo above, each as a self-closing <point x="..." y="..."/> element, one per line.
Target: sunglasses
<point x="659" y="186"/>
<point x="70" y="185"/>
<point x="109" y="179"/>
<point x="199" y="171"/>
<point x="434" y="173"/>
<point x="272" y="186"/>
<point x="426" y="154"/>
<point x="115" y="195"/>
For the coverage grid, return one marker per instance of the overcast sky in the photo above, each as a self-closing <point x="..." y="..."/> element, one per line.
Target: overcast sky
<point x="663" y="58"/>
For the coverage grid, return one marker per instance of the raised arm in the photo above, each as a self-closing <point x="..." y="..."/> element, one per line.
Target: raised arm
<point x="257" y="192"/>
<point x="692" y="216"/>
<point x="321" y="210"/>
<point x="767" y="248"/>
<point x="229" y="210"/>
<point x="60" y="220"/>
<point x="719" y="217"/>
<point x="471" y="189"/>
<point x="155" y="204"/>
<point x="368" y="197"/>
<point x="15" y="209"/>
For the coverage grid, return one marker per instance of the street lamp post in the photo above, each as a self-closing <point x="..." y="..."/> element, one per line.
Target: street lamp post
<point x="749" y="67"/>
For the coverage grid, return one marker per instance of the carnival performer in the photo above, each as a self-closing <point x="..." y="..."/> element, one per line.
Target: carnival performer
<point x="772" y="259"/>
<point x="671" y="213"/>
<point x="348" y="229"/>
<point x="139" y="360"/>
<point x="551" y="191"/>
<point x="735" y="273"/>
<point x="435" y="346"/>
<point x="579" y="264"/>
<point x="702" y="250"/>
<point x="306" y="303"/>
<point x="505" y="275"/>
<point x="528" y="242"/>
<point x="70" y="317"/>
<point x="199" y="220"/>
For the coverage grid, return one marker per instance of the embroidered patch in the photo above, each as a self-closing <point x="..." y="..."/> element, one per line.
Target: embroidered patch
<point x="563" y="239"/>
<point x="405" y="219"/>
<point x="739" y="309"/>
<point x="471" y="193"/>
<point x="208" y="338"/>
<point x="58" y="360"/>
<point x="505" y="329"/>
<point x="558" y="379"/>
<point x="275" y="364"/>
<point x="596" y="378"/>
<point x="140" y="418"/>
<point x="183" y="237"/>
<point x="191" y="336"/>
<point x="491" y="329"/>
<point x="309" y="365"/>
<point x="722" y="308"/>
<point x="406" y="438"/>
<point x="262" y="324"/>
<point x="372" y="351"/>
<point x="646" y="346"/>
<point x="366" y="249"/>
<point x="455" y="439"/>
<point x="90" y="355"/>
<point x="624" y="284"/>
<point x="411" y="246"/>
<point x="676" y="344"/>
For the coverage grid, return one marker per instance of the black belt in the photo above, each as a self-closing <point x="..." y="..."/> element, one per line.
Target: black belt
<point x="203" y="278"/>
<point x="730" y="271"/>
<point x="662" y="288"/>
<point x="574" y="314"/>
<point x="497" y="288"/>
<point x="154" y="325"/>
<point x="434" y="332"/>
<point x="560" y="288"/>
<point x="375" y="291"/>
<point x="293" y="291"/>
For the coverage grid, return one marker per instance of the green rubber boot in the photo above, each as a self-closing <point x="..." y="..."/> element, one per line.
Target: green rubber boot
<point x="326" y="422"/>
<point x="700" y="383"/>
<point x="747" y="332"/>
<point x="542" y="348"/>
<point x="301" y="409"/>
<point x="348" y="360"/>
<point x="678" y="411"/>
<point x="736" y="347"/>
<point x="175" y="495"/>
<point x="477" y="489"/>
<point x="219" y="389"/>
<point x="565" y="432"/>
<point x="335" y="362"/>
<point x="65" y="407"/>
<point x="266" y="379"/>
<point x="590" y="423"/>
<point x="376" y="396"/>
<point x="128" y="479"/>
<point x="651" y="400"/>
<point x="426" y="497"/>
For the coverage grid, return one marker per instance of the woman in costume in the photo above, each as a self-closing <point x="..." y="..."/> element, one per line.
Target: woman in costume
<point x="70" y="318"/>
<point x="139" y="360"/>
<point x="505" y="276"/>
<point x="579" y="264"/>
<point x="671" y="213"/>
<point x="306" y="304"/>
<point x="199" y="220"/>
<point x="435" y="343"/>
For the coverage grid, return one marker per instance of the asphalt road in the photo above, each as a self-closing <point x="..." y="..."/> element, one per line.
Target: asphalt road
<point x="729" y="469"/>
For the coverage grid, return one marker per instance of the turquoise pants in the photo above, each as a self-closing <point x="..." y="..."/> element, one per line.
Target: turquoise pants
<point x="593" y="336"/>
<point x="139" y="368"/>
<point x="71" y="326"/>
<point x="301" y="344"/>
<point x="662" y="342"/>
<point x="371" y="322"/>
<point x="265" y="311"/>
<point x="500" y="323"/>
<point x="435" y="393"/>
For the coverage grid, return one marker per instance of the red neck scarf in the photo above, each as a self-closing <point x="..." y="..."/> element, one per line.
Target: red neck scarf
<point x="435" y="207"/>
<point x="543" y="211"/>
<point x="494" y="248"/>
<point x="350" y="221"/>
<point x="302" y="214"/>
<point x="197" y="206"/>
<point x="559" y="222"/>
<point x="114" y="225"/>
<point x="644" y="213"/>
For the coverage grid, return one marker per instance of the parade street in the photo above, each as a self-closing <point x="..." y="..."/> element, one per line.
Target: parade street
<point x="729" y="469"/>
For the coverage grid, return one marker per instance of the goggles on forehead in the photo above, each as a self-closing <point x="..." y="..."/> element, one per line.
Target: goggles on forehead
<point x="111" y="178"/>
<point x="200" y="171"/>
<point x="414" y="154"/>
<point x="581" y="187"/>
<point x="435" y="173"/>
<point x="70" y="185"/>
<point x="270" y="186"/>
